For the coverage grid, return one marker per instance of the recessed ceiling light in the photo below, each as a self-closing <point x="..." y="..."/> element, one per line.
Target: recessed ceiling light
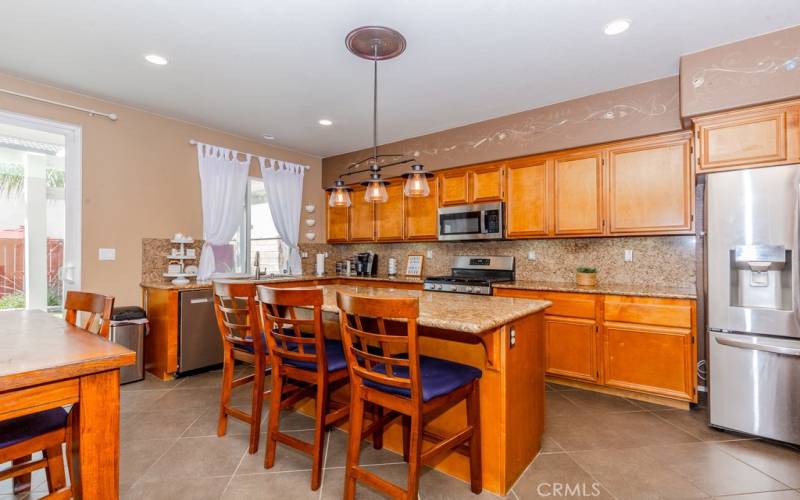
<point x="268" y="137"/>
<point x="325" y="122"/>
<point x="156" y="59"/>
<point x="617" y="26"/>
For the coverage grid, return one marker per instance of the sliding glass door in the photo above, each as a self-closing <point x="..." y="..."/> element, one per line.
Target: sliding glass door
<point x="39" y="212"/>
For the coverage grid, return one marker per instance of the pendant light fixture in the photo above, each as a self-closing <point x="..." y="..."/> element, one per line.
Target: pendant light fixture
<point x="377" y="43"/>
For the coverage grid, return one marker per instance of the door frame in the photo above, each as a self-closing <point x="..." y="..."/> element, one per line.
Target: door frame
<point x="73" y="167"/>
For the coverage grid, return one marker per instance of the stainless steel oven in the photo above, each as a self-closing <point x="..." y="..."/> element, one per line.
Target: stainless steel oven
<point x="481" y="221"/>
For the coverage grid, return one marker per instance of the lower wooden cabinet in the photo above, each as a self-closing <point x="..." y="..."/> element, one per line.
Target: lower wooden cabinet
<point x="571" y="348"/>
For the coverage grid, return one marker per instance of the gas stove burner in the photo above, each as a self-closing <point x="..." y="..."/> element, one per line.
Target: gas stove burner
<point x="473" y="275"/>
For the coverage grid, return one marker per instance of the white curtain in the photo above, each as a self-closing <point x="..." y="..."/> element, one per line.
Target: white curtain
<point x="223" y="181"/>
<point x="283" y="183"/>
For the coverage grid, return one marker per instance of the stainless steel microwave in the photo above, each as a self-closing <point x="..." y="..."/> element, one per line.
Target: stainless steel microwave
<point x="481" y="221"/>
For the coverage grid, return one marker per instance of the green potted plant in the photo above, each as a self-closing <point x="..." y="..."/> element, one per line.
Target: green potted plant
<point x="586" y="276"/>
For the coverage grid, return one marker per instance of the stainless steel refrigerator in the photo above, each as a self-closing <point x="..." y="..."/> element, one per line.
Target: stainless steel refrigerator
<point x="754" y="301"/>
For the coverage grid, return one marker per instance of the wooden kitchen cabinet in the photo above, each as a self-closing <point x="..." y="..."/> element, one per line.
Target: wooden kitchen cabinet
<point x="486" y="183"/>
<point x="578" y="179"/>
<point x="390" y="216"/>
<point x="649" y="346"/>
<point x="528" y="210"/>
<point x="454" y="187"/>
<point x="337" y="222"/>
<point x="361" y="222"/>
<point x="651" y="186"/>
<point x="755" y="137"/>
<point x="422" y="215"/>
<point x="571" y="348"/>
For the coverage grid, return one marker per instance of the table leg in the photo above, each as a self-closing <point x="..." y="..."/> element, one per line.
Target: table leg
<point x="95" y="452"/>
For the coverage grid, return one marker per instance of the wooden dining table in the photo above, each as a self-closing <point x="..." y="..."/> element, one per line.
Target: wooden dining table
<point x="45" y="363"/>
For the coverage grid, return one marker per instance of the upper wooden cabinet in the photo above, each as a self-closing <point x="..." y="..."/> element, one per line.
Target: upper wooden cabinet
<point x="389" y="216"/>
<point x="578" y="179"/>
<point x="755" y="137"/>
<point x="422" y="215"/>
<point x="479" y="184"/>
<point x="362" y="217"/>
<point x="528" y="198"/>
<point x="651" y="186"/>
<point x="336" y="223"/>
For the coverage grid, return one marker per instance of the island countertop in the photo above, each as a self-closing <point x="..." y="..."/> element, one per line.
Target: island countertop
<point x="448" y="311"/>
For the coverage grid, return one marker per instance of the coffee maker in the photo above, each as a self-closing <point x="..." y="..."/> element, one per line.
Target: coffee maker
<point x="366" y="264"/>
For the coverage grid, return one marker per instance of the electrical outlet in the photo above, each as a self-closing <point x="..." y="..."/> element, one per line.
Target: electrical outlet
<point x="532" y="255"/>
<point x="107" y="254"/>
<point x="303" y="255"/>
<point x="429" y="254"/>
<point x="628" y="255"/>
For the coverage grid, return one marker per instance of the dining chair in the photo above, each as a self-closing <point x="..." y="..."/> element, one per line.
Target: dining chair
<point x="398" y="378"/>
<point x="48" y="430"/>
<point x="242" y="340"/>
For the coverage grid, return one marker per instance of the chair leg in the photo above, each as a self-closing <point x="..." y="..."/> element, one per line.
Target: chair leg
<point x="377" y="435"/>
<point x="414" y="455"/>
<point x="317" y="453"/>
<point x="353" y="442"/>
<point x="22" y="483"/>
<point x="225" y="397"/>
<point x="257" y="403"/>
<point x="274" y="418"/>
<point x="55" y="469"/>
<point x="474" y="421"/>
<point x="406" y="435"/>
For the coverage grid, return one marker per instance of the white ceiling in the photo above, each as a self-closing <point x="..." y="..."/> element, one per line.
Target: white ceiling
<point x="253" y="66"/>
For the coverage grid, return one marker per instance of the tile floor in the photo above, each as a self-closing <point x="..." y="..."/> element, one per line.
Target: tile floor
<point x="595" y="446"/>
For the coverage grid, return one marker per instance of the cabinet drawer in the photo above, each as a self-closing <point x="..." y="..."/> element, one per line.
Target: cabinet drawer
<point x="675" y="313"/>
<point x="572" y="305"/>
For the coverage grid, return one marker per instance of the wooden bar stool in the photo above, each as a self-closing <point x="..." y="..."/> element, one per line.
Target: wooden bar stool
<point x="47" y="430"/>
<point x="400" y="379"/>
<point x="242" y="340"/>
<point x="299" y="351"/>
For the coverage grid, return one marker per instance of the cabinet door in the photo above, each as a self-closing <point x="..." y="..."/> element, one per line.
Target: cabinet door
<point x="651" y="189"/>
<point x="579" y="194"/>
<point x="654" y="359"/>
<point x="362" y="217"/>
<point x="336" y="224"/>
<point x="454" y="187"/>
<point x="571" y="348"/>
<point x="527" y="200"/>
<point x="422" y="215"/>
<point x="756" y="137"/>
<point x="487" y="183"/>
<point x="389" y="216"/>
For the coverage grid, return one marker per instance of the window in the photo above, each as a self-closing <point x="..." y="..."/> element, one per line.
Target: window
<point x="257" y="235"/>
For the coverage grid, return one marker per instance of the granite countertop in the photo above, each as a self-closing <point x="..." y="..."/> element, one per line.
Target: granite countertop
<point x="167" y="285"/>
<point x="656" y="291"/>
<point x="448" y="311"/>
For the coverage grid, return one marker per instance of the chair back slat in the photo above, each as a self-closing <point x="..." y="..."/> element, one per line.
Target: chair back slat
<point x="237" y="316"/>
<point x="97" y="309"/>
<point x="372" y="351"/>
<point x="292" y="337"/>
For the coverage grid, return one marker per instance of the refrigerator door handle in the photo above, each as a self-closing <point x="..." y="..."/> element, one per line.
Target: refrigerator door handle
<point x="773" y="348"/>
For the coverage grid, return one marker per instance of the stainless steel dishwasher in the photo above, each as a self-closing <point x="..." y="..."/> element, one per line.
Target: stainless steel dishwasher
<point x="199" y="343"/>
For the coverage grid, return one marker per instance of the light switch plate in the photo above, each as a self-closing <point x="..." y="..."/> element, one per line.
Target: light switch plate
<point x="532" y="255"/>
<point x="107" y="254"/>
<point x="429" y="254"/>
<point x="628" y="255"/>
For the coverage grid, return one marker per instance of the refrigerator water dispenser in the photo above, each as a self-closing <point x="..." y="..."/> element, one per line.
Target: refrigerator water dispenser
<point x="761" y="277"/>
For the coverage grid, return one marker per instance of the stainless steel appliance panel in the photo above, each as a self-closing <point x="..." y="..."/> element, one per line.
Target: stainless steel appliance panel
<point x="130" y="335"/>
<point x="479" y="221"/>
<point x="752" y="247"/>
<point x="755" y="385"/>
<point x="200" y="345"/>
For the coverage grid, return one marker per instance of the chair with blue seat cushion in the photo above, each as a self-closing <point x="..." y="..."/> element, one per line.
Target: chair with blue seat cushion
<point x="242" y="340"/>
<point x="300" y="352"/>
<point x="398" y="378"/>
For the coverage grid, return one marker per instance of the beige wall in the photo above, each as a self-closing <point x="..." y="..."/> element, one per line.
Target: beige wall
<point x="635" y="111"/>
<point x="140" y="180"/>
<point x="754" y="71"/>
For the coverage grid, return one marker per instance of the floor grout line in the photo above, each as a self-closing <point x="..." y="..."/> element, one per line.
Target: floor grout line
<point x="720" y="448"/>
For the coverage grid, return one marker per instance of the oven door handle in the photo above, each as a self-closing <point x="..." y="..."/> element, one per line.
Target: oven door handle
<point x="773" y="348"/>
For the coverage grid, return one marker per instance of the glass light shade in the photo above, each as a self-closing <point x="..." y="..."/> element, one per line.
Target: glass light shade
<point x="339" y="197"/>
<point x="376" y="192"/>
<point x="416" y="185"/>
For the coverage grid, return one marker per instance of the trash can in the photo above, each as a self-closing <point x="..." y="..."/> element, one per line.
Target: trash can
<point x="128" y="328"/>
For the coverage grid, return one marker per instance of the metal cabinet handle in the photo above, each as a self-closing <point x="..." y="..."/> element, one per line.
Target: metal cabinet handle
<point x="788" y="351"/>
<point x="199" y="301"/>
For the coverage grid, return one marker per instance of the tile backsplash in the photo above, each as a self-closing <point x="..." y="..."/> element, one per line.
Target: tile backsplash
<point x="657" y="260"/>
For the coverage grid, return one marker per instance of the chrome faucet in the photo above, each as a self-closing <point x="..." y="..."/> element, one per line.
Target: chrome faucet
<point x="257" y="264"/>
